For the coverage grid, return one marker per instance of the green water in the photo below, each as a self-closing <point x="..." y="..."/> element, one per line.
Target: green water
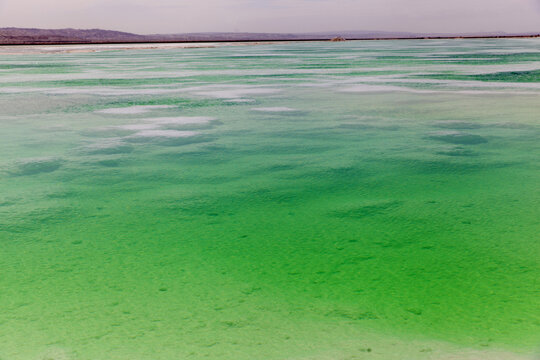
<point x="359" y="200"/>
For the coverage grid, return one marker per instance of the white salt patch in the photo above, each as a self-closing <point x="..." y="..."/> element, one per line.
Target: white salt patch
<point x="119" y="75"/>
<point x="274" y="109"/>
<point x="240" y="101"/>
<point x="138" y="127"/>
<point x="103" y="91"/>
<point x="181" y="120"/>
<point x="138" y="109"/>
<point x="164" y="134"/>
<point x="446" y="133"/>
<point x="18" y="90"/>
<point x="106" y="144"/>
<point x="364" y="88"/>
<point x="235" y="93"/>
<point x="118" y="92"/>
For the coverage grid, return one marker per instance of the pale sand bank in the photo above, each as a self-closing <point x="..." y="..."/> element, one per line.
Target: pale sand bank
<point x="49" y="49"/>
<point x="367" y="345"/>
<point x="380" y="349"/>
<point x="396" y="351"/>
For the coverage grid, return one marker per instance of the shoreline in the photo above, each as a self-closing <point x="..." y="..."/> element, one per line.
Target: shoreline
<point x="42" y="43"/>
<point x="91" y="48"/>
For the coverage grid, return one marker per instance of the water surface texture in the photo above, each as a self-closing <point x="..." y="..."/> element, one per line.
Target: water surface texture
<point x="358" y="200"/>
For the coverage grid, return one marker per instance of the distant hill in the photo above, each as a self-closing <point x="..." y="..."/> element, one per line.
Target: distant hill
<point x="19" y="36"/>
<point x="45" y="36"/>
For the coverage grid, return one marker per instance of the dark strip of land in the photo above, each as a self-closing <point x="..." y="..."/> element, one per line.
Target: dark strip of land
<point x="18" y="36"/>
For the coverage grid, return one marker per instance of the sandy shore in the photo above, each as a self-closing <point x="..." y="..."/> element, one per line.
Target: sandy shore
<point x="387" y="349"/>
<point x="55" y="49"/>
<point x="377" y="346"/>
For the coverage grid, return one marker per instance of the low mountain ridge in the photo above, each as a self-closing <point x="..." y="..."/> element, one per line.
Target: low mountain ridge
<point x="46" y="36"/>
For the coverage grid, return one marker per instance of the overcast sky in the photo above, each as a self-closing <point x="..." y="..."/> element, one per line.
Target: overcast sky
<point x="175" y="16"/>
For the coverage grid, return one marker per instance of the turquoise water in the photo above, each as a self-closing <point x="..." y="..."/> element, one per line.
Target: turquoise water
<point x="358" y="200"/>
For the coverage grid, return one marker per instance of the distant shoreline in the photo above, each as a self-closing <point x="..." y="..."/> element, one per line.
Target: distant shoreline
<point x="56" y="43"/>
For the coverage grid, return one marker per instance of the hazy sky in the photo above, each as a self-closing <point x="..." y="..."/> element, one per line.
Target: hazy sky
<point x="172" y="16"/>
